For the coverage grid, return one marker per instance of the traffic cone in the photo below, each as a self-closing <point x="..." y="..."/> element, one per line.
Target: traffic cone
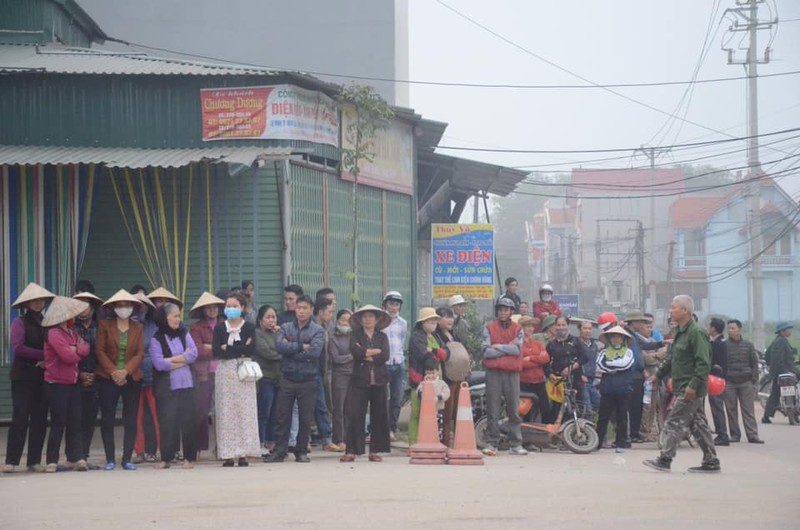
<point x="428" y="449"/>
<point x="465" y="450"/>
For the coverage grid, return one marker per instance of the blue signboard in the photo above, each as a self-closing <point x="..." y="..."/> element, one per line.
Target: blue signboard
<point x="569" y="303"/>
<point x="463" y="260"/>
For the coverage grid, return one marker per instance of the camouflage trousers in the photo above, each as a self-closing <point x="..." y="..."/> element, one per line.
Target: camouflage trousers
<point x="687" y="416"/>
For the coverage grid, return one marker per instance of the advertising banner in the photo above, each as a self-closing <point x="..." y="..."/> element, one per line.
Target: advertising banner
<point x="569" y="303"/>
<point x="392" y="166"/>
<point x="281" y="112"/>
<point x="463" y="260"/>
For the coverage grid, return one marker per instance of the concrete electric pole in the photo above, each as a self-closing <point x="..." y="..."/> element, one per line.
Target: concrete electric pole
<point x="747" y="11"/>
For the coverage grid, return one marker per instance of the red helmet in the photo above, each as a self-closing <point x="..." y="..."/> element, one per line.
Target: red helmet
<point x="716" y="385"/>
<point x="606" y="319"/>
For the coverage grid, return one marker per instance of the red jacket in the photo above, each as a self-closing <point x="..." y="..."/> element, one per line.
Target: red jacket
<point x="63" y="349"/>
<point x="510" y="335"/>
<point x="550" y="307"/>
<point x="534" y="359"/>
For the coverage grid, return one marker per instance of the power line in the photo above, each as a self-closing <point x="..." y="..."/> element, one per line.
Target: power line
<point x="617" y="149"/>
<point x="671" y="194"/>
<point x="567" y="71"/>
<point x="455" y="84"/>
<point x="601" y="186"/>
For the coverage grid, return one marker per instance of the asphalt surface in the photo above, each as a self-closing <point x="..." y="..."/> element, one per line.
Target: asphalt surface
<point x="758" y="488"/>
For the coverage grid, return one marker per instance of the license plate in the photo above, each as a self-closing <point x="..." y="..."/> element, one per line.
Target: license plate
<point x="787" y="391"/>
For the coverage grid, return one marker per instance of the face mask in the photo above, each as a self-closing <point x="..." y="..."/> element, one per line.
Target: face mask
<point x="429" y="328"/>
<point x="546" y="298"/>
<point x="232" y="313"/>
<point x="343" y="329"/>
<point x="561" y="334"/>
<point x="123" y="312"/>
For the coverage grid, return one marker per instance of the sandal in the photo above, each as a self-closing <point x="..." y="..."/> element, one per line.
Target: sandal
<point x="373" y="457"/>
<point x="347" y="458"/>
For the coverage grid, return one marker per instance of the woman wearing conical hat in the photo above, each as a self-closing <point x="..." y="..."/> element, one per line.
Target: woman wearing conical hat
<point x="86" y="327"/>
<point x="120" y="349"/>
<point x="208" y="312"/>
<point x="63" y="350"/>
<point x="29" y="417"/>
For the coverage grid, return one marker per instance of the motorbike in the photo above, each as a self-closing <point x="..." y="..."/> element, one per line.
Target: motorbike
<point x="790" y="393"/>
<point x="571" y="429"/>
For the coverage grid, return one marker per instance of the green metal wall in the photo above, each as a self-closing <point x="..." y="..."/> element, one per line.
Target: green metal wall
<point x="159" y="111"/>
<point x="45" y="16"/>
<point x="309" y="189"/>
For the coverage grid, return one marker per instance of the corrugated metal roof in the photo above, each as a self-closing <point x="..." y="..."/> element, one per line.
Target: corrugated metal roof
<point x="136" y="158"/>
<point x="70" y="60"/>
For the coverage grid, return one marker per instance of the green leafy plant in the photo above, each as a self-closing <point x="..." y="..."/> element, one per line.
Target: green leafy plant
<point x="372" y="114"/>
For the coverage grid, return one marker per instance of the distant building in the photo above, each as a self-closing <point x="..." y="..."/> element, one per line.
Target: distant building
<point x="712" y="250"/>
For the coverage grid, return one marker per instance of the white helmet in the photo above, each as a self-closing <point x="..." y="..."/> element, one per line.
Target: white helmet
<point x="546" y="288"/>
<point x="392" y="295"/>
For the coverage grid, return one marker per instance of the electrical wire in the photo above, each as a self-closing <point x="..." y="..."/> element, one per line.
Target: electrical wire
<point x="566" y="70"/>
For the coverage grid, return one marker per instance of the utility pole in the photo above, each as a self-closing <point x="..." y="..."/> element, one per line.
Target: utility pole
<point x="639" y="249"/>
<point x="652" y="153"/>
<point x="747" y="11"/>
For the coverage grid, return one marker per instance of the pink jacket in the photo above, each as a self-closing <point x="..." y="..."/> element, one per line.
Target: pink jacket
<point x="63" y="349"/>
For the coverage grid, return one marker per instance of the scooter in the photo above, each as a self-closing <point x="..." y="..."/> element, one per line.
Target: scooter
<point x="790" y="393"/>
<point x="578" y="434"/>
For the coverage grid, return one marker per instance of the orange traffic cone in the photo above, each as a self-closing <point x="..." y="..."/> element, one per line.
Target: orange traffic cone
<point x="428" y="449"/>
<point x="465" y="450"/>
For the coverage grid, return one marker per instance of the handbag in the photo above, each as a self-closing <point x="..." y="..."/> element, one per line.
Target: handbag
<point x="248" y="371"/>
<point x="555" y="391"/>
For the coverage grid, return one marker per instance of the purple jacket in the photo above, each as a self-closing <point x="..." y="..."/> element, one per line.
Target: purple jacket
<point x="182" y="377"/>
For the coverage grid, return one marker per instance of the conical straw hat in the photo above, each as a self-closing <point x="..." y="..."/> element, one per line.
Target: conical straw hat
<point x="122" y="296"/>
<point x="616" y="330"/>
<point x="144" y="300"/>
<point x="166" y="295"/>
<point x="62" y="309"/>
<point x="32" y="291"/>
<point x="383" y="318"/>
<point x="206" y="299"/>
<point x="95" y="301"/>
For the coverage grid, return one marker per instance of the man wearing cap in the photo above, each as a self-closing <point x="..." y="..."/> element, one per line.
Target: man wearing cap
<point x="781" y="358"/>
<point x="502" y="357"/>
<point x="548" y="330"/>
<point x="689" y="364"/>
<point x="396" y="332"/>
<point x="458" y="305"/>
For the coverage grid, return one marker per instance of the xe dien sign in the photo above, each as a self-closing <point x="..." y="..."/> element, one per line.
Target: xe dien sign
<point x="463" y="260"/>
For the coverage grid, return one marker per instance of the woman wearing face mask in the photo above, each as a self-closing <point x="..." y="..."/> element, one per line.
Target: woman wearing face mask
<point x="208" y="312"/>
<point x="27" y="380"/>
<point x="120" y="349"/>
<point x="268" y="358"/>
<point x="567" y="355"/>
<point x="63" y="350"/>
<point x="341" y="360"/>
<point x="235" y="401"/>
<point x="546" y="305"/>
<point x="425" y="352"/>
<point x="172" y="351"/>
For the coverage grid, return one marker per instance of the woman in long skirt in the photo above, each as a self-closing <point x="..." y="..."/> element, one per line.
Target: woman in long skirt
<point x="235" y="400"/>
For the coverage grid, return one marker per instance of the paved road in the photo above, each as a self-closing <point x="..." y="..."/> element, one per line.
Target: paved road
<point x="758" y="488"/>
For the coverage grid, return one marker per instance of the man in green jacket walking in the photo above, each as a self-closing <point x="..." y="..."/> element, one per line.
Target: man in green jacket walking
<point x="689" y="365"/>
<point x="780" y="359"/>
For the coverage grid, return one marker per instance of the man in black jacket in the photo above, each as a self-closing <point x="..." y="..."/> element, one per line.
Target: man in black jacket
<point x="781" y="358"/>
<point x="740" y="384"/>
<point x="719" y="357"/>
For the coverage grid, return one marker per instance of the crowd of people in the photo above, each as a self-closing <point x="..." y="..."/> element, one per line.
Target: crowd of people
<point x="336" y="369"/>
